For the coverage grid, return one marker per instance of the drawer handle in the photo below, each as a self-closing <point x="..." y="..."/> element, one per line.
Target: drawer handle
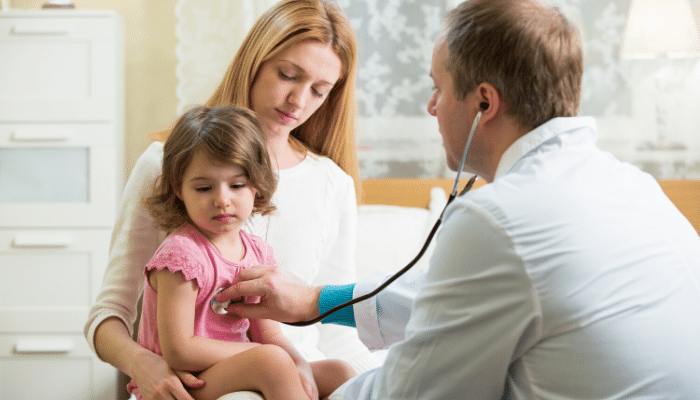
<point x="42" y="240"/>
<point x="31" y="135"/>
<point x="53" y="346"/>
<point x="41" y="28"/>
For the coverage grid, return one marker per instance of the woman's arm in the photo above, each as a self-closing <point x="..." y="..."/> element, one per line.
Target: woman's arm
<point x="155" y="379"/>
<point x="135" y="239"/>
<point x="176" y="315"/>
<point x="109" y="326"/>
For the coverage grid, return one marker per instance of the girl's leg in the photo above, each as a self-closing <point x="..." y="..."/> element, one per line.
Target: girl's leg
<point x="330" y="374"/>
<point x="267" y="369"/>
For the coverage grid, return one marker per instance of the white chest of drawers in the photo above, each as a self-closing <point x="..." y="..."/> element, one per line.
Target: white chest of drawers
<point x="61" y="152"/>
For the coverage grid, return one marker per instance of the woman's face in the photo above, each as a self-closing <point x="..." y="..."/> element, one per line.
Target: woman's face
<point x="290" y="87"/>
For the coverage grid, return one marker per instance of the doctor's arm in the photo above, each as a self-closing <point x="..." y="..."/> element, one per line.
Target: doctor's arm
<point x="380" y="320"/>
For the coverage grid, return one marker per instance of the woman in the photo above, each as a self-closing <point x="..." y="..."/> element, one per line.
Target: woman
<point x="296" y="70"/>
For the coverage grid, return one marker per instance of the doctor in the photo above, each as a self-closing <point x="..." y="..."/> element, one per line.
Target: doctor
<point x="571" y="275"/>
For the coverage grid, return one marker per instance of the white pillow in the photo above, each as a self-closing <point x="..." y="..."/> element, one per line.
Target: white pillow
<point x="389" y="237"/>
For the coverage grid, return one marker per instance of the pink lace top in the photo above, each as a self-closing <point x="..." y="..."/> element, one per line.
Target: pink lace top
<point x="187" y="251"/>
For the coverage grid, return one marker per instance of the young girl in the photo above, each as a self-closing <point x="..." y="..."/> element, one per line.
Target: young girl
<point x="216" y="173"/>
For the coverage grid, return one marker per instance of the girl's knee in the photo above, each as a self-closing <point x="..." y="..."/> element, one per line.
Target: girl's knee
<point x="330" y="375"/>
<point x="272" y="352"/>
<point x="341" y="369"/>
<point x="336" y="370"/>
<point x="269" y="357"/>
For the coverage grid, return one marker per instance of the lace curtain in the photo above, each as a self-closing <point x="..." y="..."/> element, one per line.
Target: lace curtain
<point x="397" y="137"/>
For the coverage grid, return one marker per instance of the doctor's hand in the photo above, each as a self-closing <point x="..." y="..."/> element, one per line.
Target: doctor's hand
<point x="283" y="296"/>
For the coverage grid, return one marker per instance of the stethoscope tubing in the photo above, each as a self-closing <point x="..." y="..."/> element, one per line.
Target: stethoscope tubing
<point x="396" y="275"/>
<point x="422" y="251"/>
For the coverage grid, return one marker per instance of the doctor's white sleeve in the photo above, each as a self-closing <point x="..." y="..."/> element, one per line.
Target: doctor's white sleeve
<point x="381" y="320"/>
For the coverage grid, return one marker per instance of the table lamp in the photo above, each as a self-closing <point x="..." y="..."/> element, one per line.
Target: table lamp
<point x="662" y="30"/>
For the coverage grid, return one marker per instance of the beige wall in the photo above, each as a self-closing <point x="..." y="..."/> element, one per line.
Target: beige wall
<point x="149" y="30"/>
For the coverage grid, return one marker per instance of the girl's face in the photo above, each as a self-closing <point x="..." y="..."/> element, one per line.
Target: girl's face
<point x="218" y="197"/>
<point x="291" y="86"/>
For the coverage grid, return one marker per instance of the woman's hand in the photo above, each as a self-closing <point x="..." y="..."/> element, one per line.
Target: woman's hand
<point x="307" y="380"/>
<point x="157" y="381"/>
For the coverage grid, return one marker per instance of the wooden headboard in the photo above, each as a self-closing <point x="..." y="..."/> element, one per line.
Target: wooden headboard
<point x="416" y="193"/>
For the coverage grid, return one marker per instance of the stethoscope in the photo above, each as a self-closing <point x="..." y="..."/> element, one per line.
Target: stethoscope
<point x="220" y="308"/>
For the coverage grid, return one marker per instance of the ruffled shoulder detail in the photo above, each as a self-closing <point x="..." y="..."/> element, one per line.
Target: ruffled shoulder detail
<point x="182" y="251"/>
<point x="261" y="250"/>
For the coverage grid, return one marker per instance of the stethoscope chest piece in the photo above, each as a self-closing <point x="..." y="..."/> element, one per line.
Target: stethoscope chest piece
<point x="219" y="308"/>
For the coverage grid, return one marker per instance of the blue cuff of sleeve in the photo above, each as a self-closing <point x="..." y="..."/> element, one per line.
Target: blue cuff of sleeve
<point x="332" y="296"/>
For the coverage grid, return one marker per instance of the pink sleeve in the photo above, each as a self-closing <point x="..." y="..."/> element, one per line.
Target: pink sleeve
<point x="179" y="254"/>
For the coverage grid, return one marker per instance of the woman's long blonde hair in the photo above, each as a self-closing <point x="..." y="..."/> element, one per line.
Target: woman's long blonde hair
<point x="330" y="131"/>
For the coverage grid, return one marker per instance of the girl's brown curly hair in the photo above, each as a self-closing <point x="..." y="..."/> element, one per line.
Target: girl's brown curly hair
<point x="227" y="134"/>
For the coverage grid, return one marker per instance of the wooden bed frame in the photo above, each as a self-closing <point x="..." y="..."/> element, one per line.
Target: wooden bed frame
<point x="416" y="193"/>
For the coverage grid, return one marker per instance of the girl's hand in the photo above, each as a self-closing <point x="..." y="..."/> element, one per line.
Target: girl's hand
<point x="157" y="381"/>
<point x="307" y="380"/>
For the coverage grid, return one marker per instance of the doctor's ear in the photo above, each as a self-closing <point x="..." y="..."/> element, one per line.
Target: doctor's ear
<point x="489" y="99"/>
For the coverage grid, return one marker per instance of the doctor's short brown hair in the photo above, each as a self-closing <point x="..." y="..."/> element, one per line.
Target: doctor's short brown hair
<point x="528" y="50"/>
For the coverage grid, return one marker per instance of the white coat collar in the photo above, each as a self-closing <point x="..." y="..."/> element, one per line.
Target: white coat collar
<point x="536" y="137"/>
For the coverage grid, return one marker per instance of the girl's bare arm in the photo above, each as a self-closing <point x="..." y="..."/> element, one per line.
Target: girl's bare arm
<point x="176" y="308"/>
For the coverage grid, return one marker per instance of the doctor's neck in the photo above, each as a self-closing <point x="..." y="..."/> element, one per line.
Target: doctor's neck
<point x="496" y="136"/>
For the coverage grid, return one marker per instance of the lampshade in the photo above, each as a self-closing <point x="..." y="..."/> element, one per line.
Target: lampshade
<point x="660" y="28"/>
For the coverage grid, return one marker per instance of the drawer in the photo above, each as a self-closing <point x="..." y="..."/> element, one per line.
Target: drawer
<point x="50" y="278"/>
<point x="61" y="68"/>
<point x="53" y="367"/>
<point x="55" y="175"/>
<point x="67" y="24"/>
<point x="52" y="134"/>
